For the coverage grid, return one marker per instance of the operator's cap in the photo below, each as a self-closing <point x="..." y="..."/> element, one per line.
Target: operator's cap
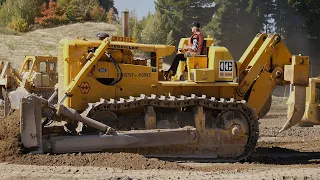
<point x="195" y="24"/>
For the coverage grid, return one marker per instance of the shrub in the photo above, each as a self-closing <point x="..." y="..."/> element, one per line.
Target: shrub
<point x="18" y="24"/>
<point x="51" y="15"/>
<point x="98" y="14"/>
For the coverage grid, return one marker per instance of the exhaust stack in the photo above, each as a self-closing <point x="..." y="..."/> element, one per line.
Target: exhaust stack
<point x="125" y="23"/>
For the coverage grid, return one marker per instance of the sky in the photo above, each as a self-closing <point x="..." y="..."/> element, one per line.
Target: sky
<point x="141" y="7"/>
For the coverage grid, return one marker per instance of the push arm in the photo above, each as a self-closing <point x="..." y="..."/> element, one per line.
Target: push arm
<point x="273" y="65"/>
<point x="87" y="67"/>
<point x="272" y="53"/>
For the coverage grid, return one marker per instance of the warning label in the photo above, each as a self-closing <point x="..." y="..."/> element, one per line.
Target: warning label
<point x="226" y="68"/>
<point x="84" y="87"/>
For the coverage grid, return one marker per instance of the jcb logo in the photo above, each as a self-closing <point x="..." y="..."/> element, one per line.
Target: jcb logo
<point x="226" y="65"/>
<point x="226" y="68"/>
<point x="84" y="87"/>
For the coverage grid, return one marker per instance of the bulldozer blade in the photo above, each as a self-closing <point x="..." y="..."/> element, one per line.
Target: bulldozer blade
<point x="16" y="96"/>
<point x="296" y="107"/>
<point x="227" y="140"/>
<point x="150" y="138"/>
<point x="30" y="123"/>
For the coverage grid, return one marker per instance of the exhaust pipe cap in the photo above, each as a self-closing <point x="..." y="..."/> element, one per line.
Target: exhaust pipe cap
<point x="102" y="36"/>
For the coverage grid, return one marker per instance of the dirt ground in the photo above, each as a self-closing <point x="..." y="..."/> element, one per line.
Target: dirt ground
<point x="293" y="154"/>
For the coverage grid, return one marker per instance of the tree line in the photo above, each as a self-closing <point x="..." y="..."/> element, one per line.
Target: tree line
<point x="25" y="15"/>
<point x="232" y="23"/>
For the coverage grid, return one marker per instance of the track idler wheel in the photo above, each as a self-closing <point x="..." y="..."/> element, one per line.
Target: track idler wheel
<point x="234" y="122"/>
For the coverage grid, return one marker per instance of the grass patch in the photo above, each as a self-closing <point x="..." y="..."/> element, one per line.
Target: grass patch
<point x="8" y="31"/>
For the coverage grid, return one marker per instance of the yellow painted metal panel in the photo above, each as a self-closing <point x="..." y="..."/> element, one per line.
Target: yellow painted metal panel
<point x="202" y="75"/>
<point x="221" y="60"/>
<point x="262" y="59"/>
<point x="251" y="50"/>
<point x="186" y="83"/>
<point x="261" y="91"/>
<point x="298" y="72"/>
<point x="125" y="91"/>
<point x="227" y="92"/>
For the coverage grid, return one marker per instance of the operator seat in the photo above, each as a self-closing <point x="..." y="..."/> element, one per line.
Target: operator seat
<point x="204" y="50"/>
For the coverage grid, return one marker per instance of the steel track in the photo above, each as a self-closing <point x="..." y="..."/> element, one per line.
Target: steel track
<point x="183" y="101"/>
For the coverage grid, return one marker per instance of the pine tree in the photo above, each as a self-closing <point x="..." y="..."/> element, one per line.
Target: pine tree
<point x="111" y="16"/>
<point x="79" y="10"/>
<point x="237" y="22"/>
<point x="177" y="16"/>
<point x="106" y="4"/>
<point x="154" y="32"/>
<point x="299" y="22"/>
<point x="98" y="14"/>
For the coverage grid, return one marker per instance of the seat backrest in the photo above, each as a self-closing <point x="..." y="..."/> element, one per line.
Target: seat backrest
<point x="204" y="50"/>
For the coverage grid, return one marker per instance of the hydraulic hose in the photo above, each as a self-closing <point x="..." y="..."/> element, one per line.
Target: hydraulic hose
<point x="119" y="74"/>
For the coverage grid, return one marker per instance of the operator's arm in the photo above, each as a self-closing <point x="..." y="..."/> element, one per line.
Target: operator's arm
<point x="196" y="41"/>
<point x="195" y="45"/>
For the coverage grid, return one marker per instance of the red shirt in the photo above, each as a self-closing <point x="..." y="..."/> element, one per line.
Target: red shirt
<point x="196" y="42"/>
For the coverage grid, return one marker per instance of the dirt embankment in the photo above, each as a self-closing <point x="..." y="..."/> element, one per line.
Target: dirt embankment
<point x="9" y="137"/>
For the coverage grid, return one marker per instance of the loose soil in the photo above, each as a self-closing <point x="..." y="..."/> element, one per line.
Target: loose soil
<point x="293" y="154"/>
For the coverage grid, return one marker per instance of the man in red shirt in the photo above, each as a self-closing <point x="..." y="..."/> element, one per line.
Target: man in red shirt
<point x="194" y="48"/>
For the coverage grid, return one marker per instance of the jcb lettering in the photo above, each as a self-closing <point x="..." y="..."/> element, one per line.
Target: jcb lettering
<point x="226" y="69"/>
<point x="226" y="66"/>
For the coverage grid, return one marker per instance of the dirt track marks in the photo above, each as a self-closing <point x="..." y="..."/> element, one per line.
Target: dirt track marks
<point x="67" y="172"/>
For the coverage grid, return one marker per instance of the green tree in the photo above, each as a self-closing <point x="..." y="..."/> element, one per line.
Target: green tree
<point x="107" y="4"/>
<point x="237" y="22"/>
<point x="79" y="10"/>
<point x="145" y="19"/>
<point x="154" y="32"/>
<point x="2" y="1"/>
<point x="176" y="16"/>
<point x="98" y="14"/>
<point x="299" y="22"/>
<point x="134" y="26"/>
<point x="18" y="24"/>
<point x="64" y="3"/>
<point x="25" y="9"/>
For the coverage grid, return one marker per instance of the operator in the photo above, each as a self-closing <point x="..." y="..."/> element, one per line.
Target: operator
<point x="194" y="48"/>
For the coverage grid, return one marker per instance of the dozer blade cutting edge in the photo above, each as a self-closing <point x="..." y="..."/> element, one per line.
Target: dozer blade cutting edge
<point x="296" y="107"/>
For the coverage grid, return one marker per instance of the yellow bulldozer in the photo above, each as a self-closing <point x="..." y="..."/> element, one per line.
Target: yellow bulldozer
<point x="107" y="101"/>
<point x="311" y="116"/>
<point x="38" y="74"/>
